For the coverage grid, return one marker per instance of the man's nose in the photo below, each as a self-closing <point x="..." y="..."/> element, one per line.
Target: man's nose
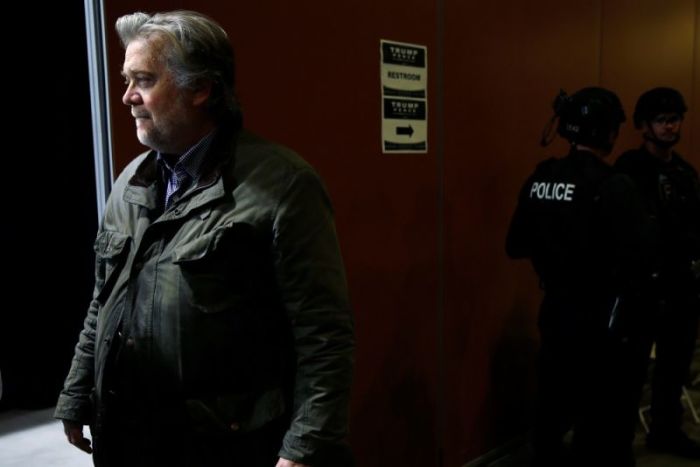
<point x="131" y="97"/>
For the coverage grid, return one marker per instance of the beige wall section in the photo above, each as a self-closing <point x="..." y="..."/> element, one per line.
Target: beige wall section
<point x="648" y="43"/>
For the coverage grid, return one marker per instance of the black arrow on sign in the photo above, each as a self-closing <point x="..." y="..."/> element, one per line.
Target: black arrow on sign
<point x="404" y="130"/>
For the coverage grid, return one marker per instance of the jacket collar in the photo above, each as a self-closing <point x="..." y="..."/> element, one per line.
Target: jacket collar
<point x="145" y="188"/>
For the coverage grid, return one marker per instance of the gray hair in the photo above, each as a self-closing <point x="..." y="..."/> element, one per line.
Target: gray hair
<point x="198" y="51"/>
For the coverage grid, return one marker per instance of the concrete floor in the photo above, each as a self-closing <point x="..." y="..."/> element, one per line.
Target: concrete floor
<point x="32" y="438"/>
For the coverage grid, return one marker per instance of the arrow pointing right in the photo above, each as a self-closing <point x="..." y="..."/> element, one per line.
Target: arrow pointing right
<point x="404" y="130"/>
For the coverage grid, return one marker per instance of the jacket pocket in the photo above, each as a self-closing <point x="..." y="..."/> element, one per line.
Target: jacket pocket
<point x="111" y="251"/>
<point x="218" y="269"/>
<point x="235" y="413"/>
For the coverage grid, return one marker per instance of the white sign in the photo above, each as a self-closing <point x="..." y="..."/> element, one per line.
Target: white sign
<point x="404" y="69"/>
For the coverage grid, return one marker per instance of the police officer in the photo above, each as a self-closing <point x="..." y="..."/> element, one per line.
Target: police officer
<point x="671" y="193"/>
<point x="580" y="224"/>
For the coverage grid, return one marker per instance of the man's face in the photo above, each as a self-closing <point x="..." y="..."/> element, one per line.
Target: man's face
<point x="162" y="110"/>
<point x="664" y="128"/>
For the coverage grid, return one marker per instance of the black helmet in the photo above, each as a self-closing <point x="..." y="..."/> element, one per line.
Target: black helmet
<point x="589" y="116"/>
<point x="658" y="101"/>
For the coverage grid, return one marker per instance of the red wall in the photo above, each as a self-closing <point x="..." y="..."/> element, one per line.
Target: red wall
<point x="503" y="67"/>
<point x="445" y="322"/>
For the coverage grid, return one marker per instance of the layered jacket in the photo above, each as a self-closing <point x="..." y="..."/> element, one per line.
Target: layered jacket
<point x="671" y="194"/>
<point x="230" y="304"/>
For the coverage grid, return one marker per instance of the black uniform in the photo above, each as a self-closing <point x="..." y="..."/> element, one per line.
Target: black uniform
<point x="671" y="193"/>
<point x="581" y="223"/>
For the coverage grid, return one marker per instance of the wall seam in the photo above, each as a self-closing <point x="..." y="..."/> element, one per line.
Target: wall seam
<point x="440" y="181"/>
<point x="601" y="5"/>
<point x="694" y="78"/>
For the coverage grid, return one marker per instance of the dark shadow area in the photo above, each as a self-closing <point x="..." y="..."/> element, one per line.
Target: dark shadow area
<point x="50" y="214"/>
<point x="521" y="455"/>
<point x="513" y="378"/>
<point x="12" y="421"/>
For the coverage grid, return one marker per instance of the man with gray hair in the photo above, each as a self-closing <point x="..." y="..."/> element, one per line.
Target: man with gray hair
<point x="219" y="332"/>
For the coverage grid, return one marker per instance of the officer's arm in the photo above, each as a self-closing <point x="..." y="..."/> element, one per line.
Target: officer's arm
<point x="519" y="238"/>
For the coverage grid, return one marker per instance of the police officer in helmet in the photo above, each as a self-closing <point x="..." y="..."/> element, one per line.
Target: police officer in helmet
<point x="671" y="193"/>
<point x="580" y="224"/>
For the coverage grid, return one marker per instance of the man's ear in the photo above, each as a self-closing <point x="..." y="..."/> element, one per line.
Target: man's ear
<point x="201" y="93"/>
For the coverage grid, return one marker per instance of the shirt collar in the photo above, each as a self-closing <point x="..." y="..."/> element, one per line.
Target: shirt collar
<point x="192" y="160"/>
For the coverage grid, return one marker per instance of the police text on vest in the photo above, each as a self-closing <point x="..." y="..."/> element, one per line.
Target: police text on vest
<point x="552" y="191"/>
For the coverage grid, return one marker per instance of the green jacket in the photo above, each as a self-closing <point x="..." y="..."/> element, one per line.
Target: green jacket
<point x="232" y="302"/>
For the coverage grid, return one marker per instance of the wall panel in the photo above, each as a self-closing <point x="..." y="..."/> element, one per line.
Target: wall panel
<point x="504" y="64"/>
<point x="693" y="117"/>
<point x="647" y="43"/>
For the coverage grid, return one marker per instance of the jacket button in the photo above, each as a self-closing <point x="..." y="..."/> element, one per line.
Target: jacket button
<point x="235" y="426"/>
<point x="130" y="342"/>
